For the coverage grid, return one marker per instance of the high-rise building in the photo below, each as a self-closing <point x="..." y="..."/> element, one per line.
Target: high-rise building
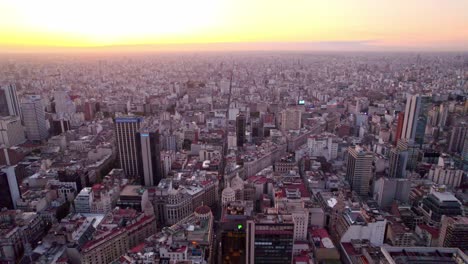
<point x="291" y="119"/>
<point x="359" y="169"/>
<point x="454" y="232"/>
<point x="11" y="131"/>
<point x="126" y="129"/>
<point x="388" y="190"/>
<point x="149" y="156"/>
<point x="9" y="103"/>
<point x="397" y="166"/>
<point x="240" y="129"/>
<point x="269" y="240"/>
<point x="34" y="118"/>
<point x="10" y="188"/>
<point x="457" y="138"/>
<point x="438" y="203"/>
<point x="416" y="113"/>
<point x="256" y="125"/>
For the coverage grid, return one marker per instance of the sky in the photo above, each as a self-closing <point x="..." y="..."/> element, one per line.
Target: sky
<point x="234" y="24"/>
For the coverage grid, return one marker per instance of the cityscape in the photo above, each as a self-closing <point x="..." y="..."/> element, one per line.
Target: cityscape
<point x="269" y="151"/>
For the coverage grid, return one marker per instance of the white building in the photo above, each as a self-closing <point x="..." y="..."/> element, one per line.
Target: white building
<point x="34" y="118"/>
<point x="83" y="201"/>
<point x="11" y="131"/>
<point x="445" y="175"/>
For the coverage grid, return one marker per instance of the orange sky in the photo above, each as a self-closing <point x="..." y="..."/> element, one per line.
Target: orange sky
<point x="270" y="24"/>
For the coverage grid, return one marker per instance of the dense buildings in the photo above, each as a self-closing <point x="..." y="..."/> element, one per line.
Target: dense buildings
<point x="318" y="158"/>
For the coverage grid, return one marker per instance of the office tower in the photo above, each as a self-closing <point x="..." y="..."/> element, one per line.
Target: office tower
<point x="457" y="138"/>
<point x="443" y="115"/>
<point x="10" y="188"/>
<point x="34" y="118"/>
<point x="149" y="156"/>
<point x="291" y="119"/>
<point x="269" y="240"/>
<point x="438" y="203"/>
<point x="398" y="160"/>
<point x="416" y="113"/>
<point x="454" y="232"/>
<point x="386" y="191"/>
<point x="11" y="131"/>
<point x="256" y="125"/>
<point x="9" y="103"/>
<point x="126" y="129"/>
<point x="359" y="169"/>
<point x="399" y="128"/>
<point x="240" y="129"/>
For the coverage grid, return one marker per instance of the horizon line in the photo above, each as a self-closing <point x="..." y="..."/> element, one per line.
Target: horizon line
<point x="265" y="46"/>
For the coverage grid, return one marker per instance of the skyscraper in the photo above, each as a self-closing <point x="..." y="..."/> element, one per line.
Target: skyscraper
<point x="240" y="129"/>
<point x="34" y="118"/>
<point x="359" y="169"/>
<point x="149" y="156"/>
<point x="9" y="103"/>
<point x="269" y="240"/>
<point x="398" y="160"/>
<point x="416" y="113"/>
<point x="10" y="188"/>
<point x="126" y="129"/>
<point x="457" y="137"/>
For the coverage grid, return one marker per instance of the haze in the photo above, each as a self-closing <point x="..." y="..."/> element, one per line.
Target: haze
<point x="234" y="25"/>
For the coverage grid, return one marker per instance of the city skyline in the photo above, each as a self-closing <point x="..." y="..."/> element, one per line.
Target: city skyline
<point x="233" y="25"/>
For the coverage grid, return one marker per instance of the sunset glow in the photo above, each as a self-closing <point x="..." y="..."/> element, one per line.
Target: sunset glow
<point x="366" y="23"/>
